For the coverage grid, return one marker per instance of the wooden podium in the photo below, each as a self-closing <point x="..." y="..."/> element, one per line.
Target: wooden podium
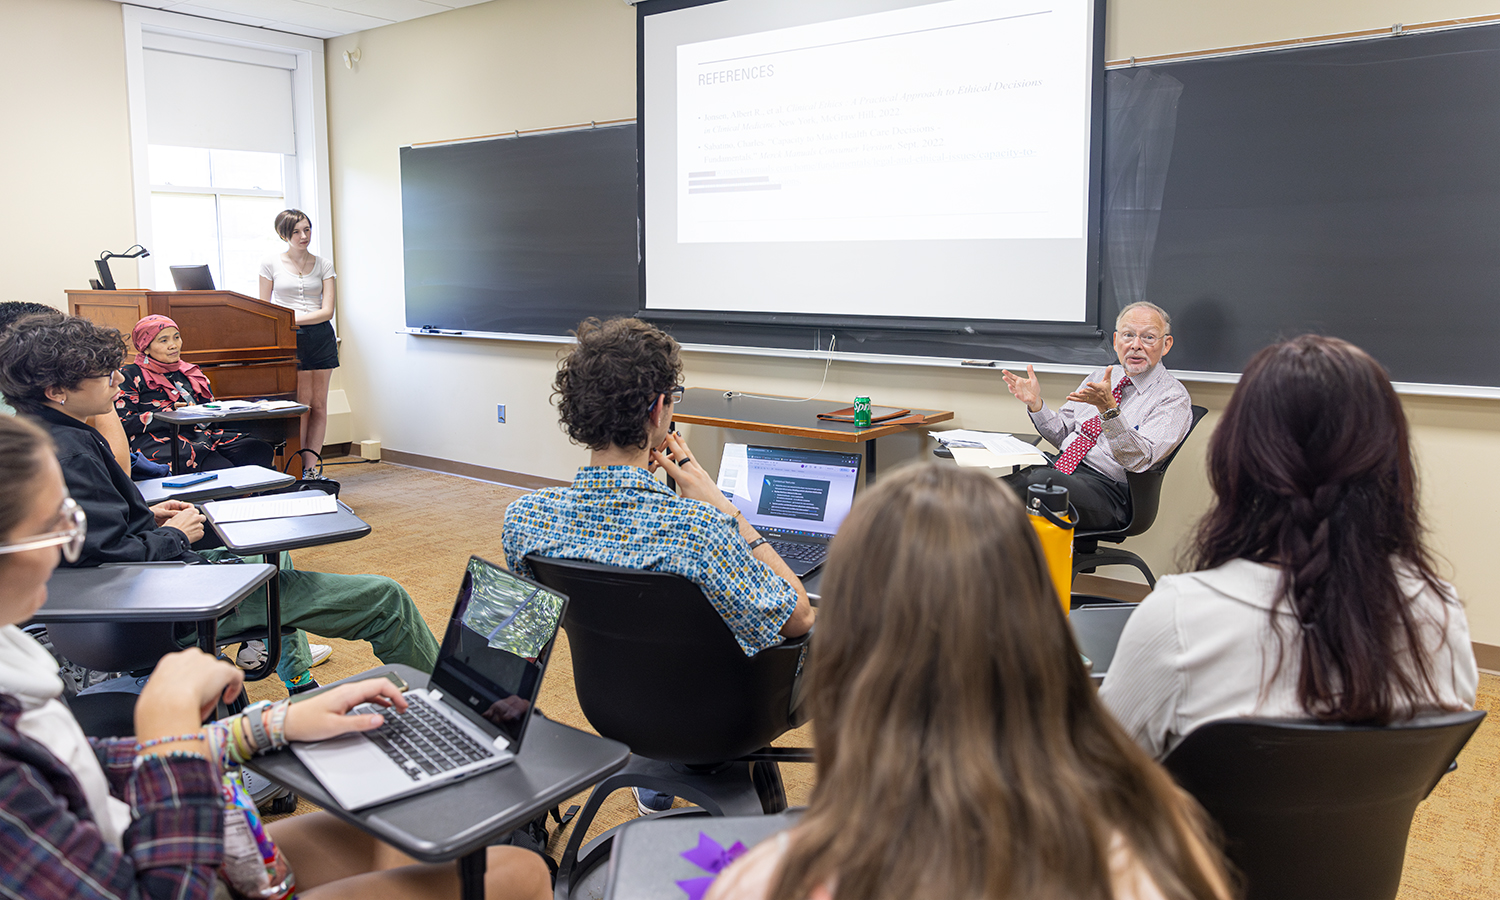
<point x="247" y="348"/>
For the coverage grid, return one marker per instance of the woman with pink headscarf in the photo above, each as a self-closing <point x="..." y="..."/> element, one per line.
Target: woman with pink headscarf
<point x="158" y="381"/>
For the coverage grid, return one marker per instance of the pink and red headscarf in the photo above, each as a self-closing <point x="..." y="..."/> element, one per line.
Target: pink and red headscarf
<point x="141" y="336"/>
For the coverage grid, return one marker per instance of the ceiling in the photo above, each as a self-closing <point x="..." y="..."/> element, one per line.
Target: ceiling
<point x="313" y="18"/>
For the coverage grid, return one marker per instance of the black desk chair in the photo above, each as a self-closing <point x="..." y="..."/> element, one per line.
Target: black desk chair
<point x="1314" y="811"/>
<point x="656" y="668"/>
<point x="1145" y="502"/>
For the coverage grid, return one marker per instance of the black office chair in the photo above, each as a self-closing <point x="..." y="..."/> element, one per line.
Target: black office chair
<point x="656" y="668"/>
<point x="1145" y="501"/>
<point x="1313" y="811"/>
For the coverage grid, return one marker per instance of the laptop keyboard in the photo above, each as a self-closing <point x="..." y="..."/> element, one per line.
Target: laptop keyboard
<point x="422" y="740"/>
<point x="799" y="551"/>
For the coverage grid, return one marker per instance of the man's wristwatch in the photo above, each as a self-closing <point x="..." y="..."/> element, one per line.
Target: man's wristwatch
<point x="1110" y="414"/>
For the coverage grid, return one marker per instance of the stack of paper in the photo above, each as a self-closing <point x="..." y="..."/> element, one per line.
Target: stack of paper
<point x="988" y="449"/>
<point x="280" y="506"/>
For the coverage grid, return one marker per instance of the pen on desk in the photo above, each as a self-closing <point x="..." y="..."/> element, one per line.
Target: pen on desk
<point x="988" y="364"/>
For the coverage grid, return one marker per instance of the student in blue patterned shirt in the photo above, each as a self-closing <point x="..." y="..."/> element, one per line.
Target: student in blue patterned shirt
<point x="614" y="394"/>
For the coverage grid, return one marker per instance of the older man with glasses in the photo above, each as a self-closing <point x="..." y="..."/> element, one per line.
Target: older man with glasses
<point x="1120" y="419"/>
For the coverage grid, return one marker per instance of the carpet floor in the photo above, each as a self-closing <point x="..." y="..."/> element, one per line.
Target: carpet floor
<point x="426" y="525"/>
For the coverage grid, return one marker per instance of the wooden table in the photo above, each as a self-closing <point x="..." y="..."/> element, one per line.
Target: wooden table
<point x="730" y="409"/>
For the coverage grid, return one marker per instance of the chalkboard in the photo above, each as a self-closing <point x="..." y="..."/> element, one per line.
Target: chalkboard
<point x="1351" y="189"/>
<point x="524" y="235"/>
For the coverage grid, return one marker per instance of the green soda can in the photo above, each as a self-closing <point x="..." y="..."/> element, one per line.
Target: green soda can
<point x="861" y="412"/>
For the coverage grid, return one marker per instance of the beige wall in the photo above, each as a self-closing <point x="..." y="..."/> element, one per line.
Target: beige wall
<point x="537" y="63"/>
<point x="66" y="146"/>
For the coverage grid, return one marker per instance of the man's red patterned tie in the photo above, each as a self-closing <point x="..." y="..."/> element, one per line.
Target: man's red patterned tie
<point x="1086" y="438"/>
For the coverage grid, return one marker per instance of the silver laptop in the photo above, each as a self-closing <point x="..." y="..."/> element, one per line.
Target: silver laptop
<point x="795" y="498"/>
<point x="473" y="714"/>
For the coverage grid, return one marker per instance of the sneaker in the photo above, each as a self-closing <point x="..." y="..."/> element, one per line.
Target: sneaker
<point x="252" y="655"/>
<point x="309" y="474"/>
<point x="649" y="802"/>
<point x="311" y="685"/>
<point x="320" y="654"/>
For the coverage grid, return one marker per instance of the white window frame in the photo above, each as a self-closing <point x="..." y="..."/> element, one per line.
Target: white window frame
<point x="307" y="185"/>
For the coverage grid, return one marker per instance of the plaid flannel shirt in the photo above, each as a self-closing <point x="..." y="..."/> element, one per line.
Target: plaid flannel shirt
<point x="50" y="848"/>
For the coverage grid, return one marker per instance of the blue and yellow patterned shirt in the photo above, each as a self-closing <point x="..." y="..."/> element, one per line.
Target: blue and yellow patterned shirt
<point x="621" y="516"/>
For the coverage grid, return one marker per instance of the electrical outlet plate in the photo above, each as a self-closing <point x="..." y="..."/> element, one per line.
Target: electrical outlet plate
<point x="500" y="413"/>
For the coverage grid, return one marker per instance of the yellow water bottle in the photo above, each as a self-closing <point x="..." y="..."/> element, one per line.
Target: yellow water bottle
<point x="1053" y="518"/>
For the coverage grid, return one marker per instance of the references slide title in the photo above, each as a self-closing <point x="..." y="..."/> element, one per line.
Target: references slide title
<point x="724" y="76"/>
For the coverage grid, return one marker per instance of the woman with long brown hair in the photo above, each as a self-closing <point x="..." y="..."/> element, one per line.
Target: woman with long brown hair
<point x="1315" y="596"/>
<point x="961" y="749"/>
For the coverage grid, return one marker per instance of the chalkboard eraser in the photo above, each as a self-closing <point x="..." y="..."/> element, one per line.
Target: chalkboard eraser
<point x="978" y="362"/>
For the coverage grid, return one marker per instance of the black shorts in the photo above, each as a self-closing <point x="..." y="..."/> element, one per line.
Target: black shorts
<point x="316" y="347"/>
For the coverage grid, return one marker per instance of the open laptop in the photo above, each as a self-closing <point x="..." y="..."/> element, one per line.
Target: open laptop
<point x="1096" y="628"/>
<point x="192" y="278"/>
<point x="795" y="498"/>
<point x="473" y="714"/>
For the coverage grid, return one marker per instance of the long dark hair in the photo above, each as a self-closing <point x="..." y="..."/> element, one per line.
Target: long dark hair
<point x="961" y="749"/>
<point x="1312" y="472"/>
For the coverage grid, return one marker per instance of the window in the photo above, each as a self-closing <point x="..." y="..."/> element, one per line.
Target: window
<point x="225" y="133"/>
<point x="216" y="207"/>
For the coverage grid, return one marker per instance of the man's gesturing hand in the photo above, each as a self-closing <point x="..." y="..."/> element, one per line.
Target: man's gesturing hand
<point x="1027" y="390"/>
<point x="1096" y="393"/>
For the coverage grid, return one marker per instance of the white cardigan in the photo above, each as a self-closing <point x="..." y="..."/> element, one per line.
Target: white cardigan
<point x="1200" y="647"/>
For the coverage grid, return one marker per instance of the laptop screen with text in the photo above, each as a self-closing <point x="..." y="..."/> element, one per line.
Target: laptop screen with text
<point x="791" y="491"/>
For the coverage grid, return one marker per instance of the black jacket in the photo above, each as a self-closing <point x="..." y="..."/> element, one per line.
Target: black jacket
<point x="122" y="527"/>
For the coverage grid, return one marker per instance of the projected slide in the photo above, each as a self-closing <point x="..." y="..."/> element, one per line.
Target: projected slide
<point x="955" y="120"/>
<point x="911" y="159"/>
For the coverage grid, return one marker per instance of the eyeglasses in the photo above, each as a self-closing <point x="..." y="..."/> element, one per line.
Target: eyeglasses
<point x="674" y="395"/>
<point x="71" y="537"/>
<point x="1147" y="340"/>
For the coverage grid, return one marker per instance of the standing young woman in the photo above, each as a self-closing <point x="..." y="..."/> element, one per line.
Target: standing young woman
<point x="962" y="752"/>
<point x="304" y="284"/>
<point x="1314" y="596"/>
<point x="82" y="817"/>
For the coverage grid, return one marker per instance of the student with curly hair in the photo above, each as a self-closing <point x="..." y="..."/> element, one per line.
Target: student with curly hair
<point x="61" y="370"/>
<point x="615" y="391"/>
<point x="1314" y="595"/>
<point x="113" y="819"/>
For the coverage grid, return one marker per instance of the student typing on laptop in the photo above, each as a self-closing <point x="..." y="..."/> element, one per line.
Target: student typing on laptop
<point x="113" y="818"/>
<point x="615" y="391"/>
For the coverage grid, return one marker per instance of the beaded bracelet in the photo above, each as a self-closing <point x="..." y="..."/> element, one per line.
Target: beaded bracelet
<point x="175" y="754"/>
<point x="195" y="736"/>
